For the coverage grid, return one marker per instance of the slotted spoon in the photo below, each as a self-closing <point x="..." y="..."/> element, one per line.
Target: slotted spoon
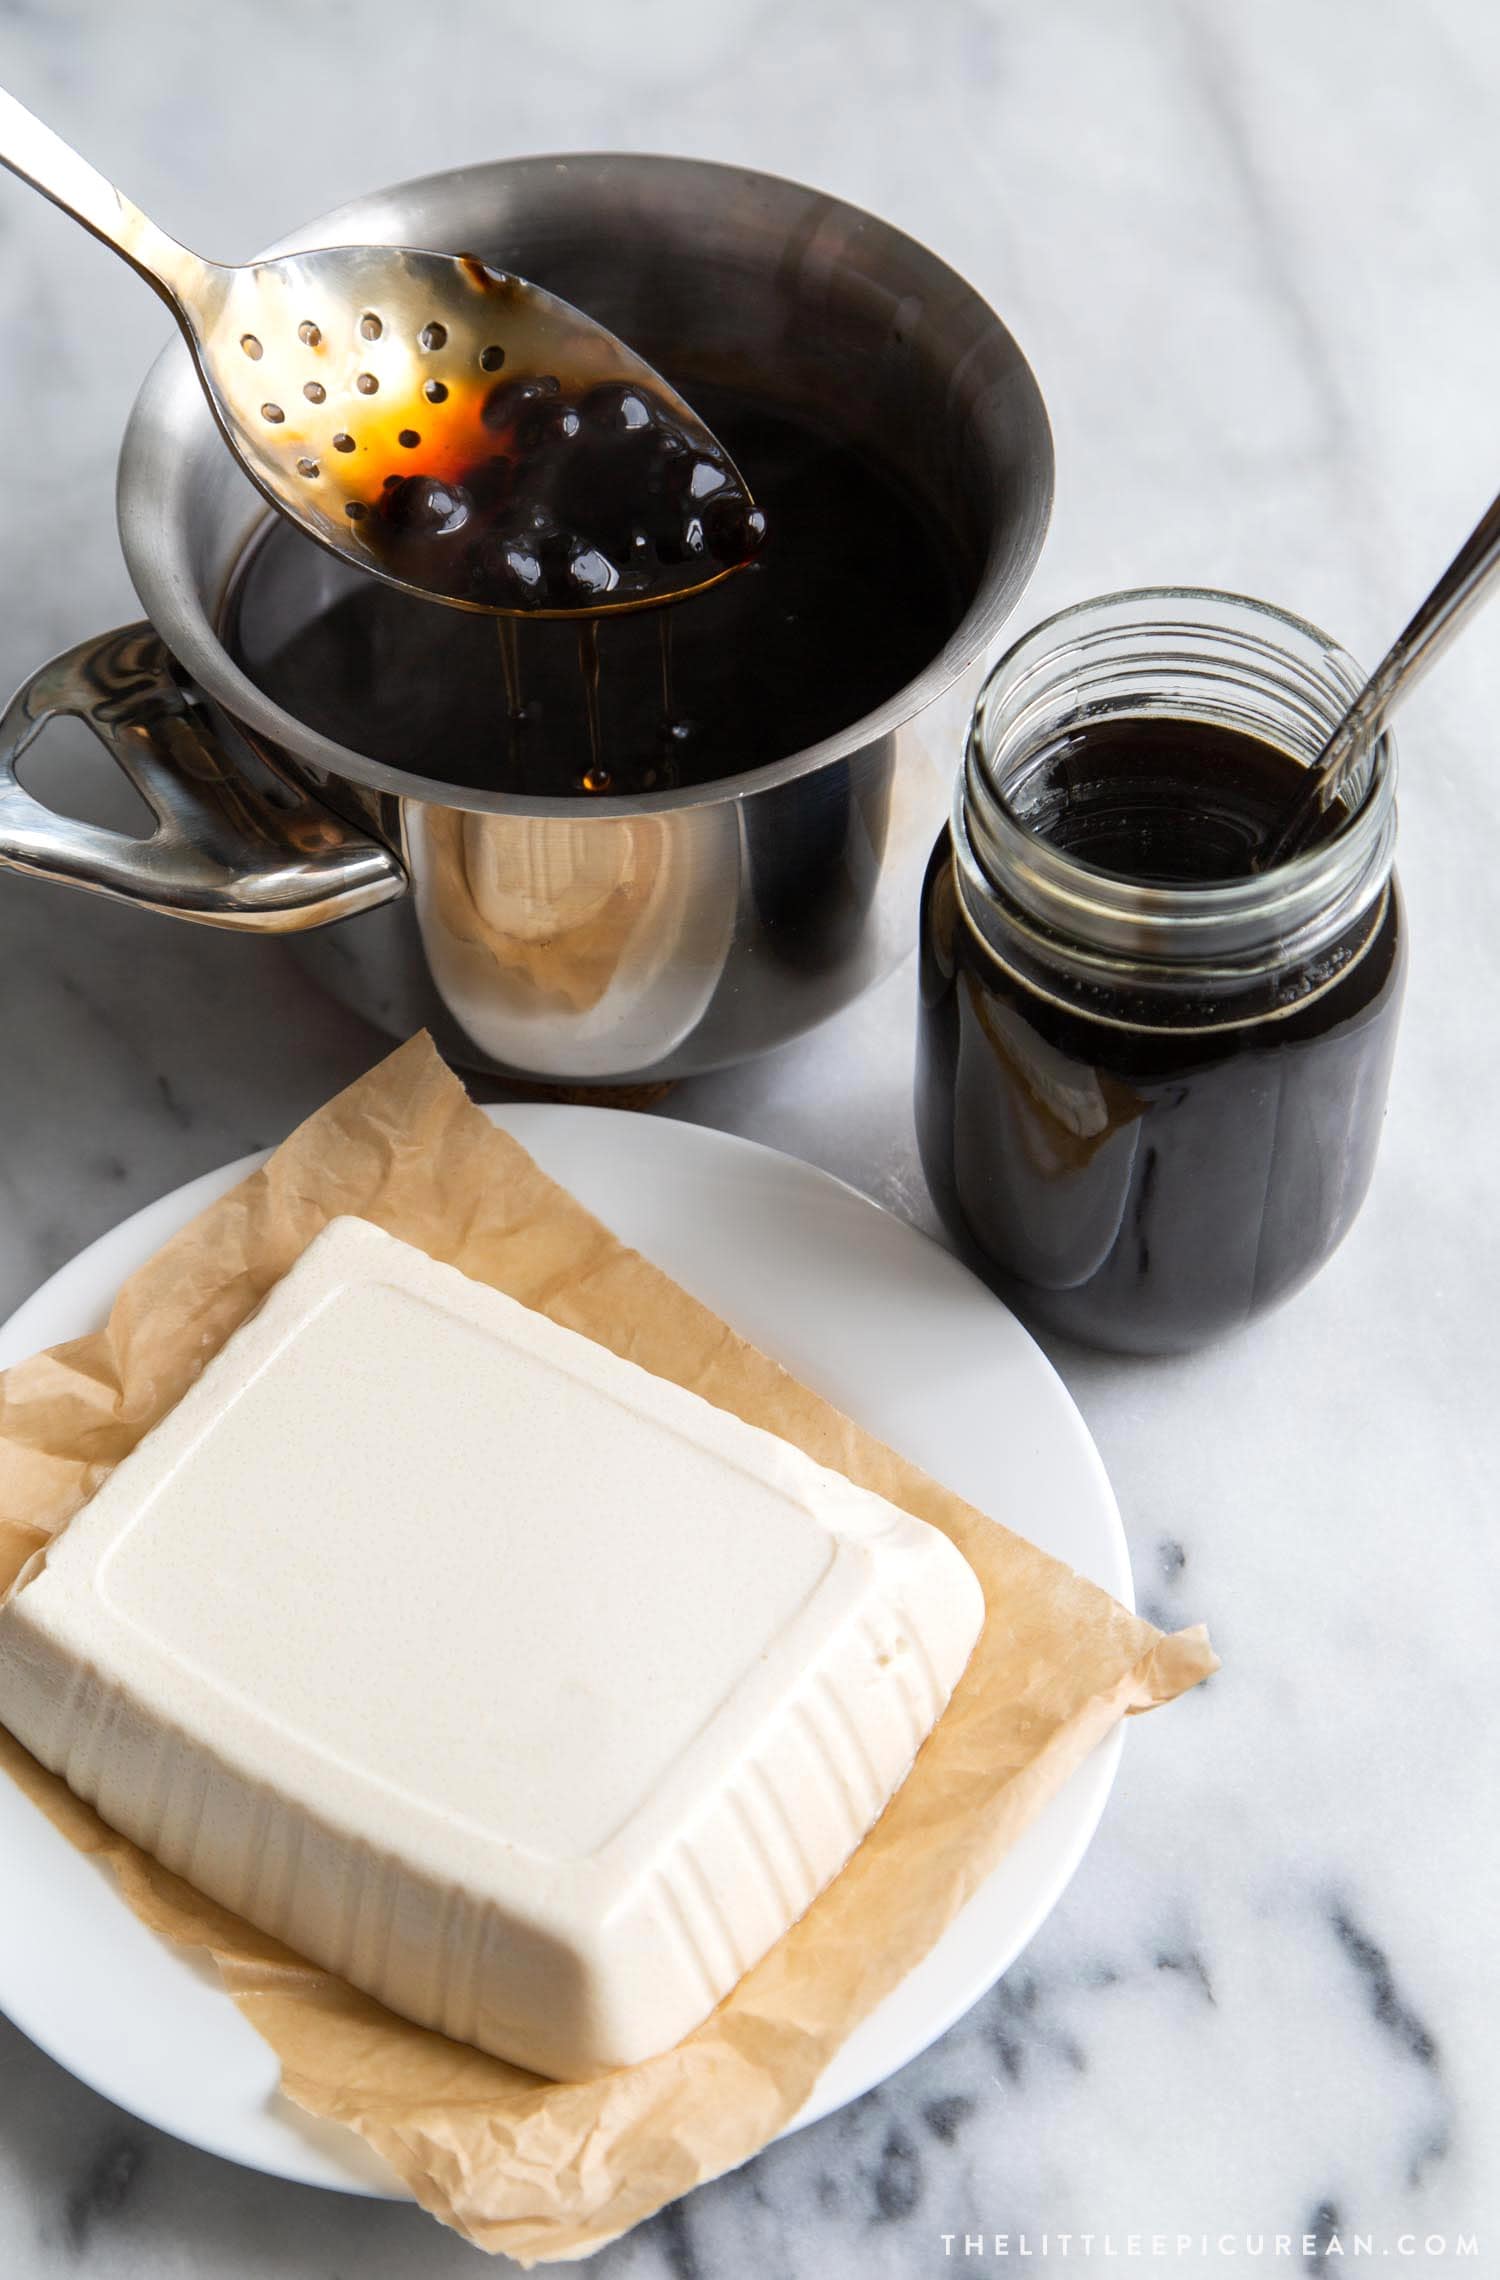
<point x="1470" y="578"/>
<point x="337" y="372"/>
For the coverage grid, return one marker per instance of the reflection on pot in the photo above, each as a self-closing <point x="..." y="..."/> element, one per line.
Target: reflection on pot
<point x="556" y="941"/>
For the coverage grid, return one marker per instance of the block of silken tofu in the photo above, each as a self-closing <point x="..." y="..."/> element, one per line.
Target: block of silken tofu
<point x="529" y="1692"/>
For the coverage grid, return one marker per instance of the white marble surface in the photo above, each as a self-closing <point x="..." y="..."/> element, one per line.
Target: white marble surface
<point x="1252" y="254"/>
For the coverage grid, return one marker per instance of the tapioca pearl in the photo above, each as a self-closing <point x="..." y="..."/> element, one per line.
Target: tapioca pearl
<point x="513" y="573"/>
<point x="506" y="403"/>
<point x="544" y="425"/>
<point x="616" y="407"/>
<point x="665" y="467"/>
<point x="424" y="504"/>
<point x="681" y="538"/>
<point x="538" y="434"/>
<point x="734" y="529"/>
<point x="591" y="572"/>
<point x="690" y="473"/>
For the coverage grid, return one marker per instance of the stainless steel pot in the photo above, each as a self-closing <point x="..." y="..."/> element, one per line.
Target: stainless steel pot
<point x="571" y="941"/>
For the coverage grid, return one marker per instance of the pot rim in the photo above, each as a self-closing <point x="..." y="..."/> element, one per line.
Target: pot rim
<point x="152" y="455"/>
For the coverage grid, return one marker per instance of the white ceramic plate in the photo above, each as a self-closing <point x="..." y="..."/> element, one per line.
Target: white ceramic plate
<point x="866" y="1310"/>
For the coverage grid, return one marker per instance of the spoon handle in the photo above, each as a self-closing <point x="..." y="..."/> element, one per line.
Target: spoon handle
<point x="44" y="160"/>
<point x="1463" y="586"/>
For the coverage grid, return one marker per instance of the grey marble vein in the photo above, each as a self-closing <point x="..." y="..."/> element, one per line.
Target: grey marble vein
<point x="1252" y="253"/>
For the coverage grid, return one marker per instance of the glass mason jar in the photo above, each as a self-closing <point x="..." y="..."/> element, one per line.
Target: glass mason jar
<point x="1147" y="1111"/>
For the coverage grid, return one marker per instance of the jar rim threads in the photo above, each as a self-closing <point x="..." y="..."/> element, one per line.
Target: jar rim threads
<point x="1184" y="653"/>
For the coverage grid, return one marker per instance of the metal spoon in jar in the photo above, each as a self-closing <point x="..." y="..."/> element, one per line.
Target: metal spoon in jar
<point x="435" y="420"/>
<point x="1465" y="583"/>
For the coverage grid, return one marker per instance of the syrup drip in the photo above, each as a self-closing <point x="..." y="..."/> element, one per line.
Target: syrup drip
<point x="510" y="666"/>
<point x="596" y="777"/>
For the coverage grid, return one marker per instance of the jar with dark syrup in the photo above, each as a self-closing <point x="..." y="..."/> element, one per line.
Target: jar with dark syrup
<point x="1151" y="1072"/>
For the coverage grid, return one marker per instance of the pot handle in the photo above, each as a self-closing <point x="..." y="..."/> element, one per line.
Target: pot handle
<point x="225" y="851"/>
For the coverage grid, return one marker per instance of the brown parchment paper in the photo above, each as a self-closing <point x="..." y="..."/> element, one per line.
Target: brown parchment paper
<point x="545" y="2170"/>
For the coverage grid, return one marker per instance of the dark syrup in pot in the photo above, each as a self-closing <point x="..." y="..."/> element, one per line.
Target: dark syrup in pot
<point x="853" y="592"/>
<point x="1130" y="1183"/>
